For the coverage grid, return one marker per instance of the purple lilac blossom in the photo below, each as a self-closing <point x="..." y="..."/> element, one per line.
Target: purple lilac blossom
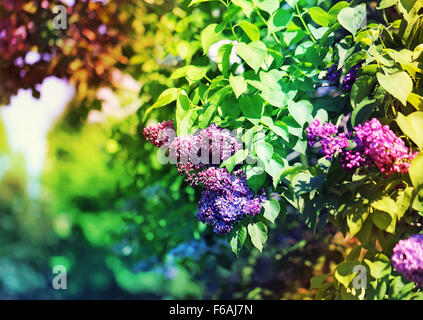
<point x="327" y="134"/>
<point x="375" y="145"/>
<point x="333" y="74"/>
<point x="351" y="77"/>
<point x="226" y="199"/>
<point x="407" y="258"/>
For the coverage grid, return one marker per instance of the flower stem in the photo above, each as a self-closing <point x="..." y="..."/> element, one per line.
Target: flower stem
<point x="305" y="24"/>
<point x="267" y="25"/>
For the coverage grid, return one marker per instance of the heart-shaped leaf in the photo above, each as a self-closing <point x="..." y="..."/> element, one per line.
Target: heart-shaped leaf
<point x="254" y="53"/>
<point x="237" y="238"/>
<point x="398" y="84"/>
<point x="352" y="18"/>
<point x="239" y="84"/>
<point x="416" y="171"/>
<point x="279" y="20"/>
<point x="258" y="234"/>
<point x="269" y="6"/>
<point x="251" y="30"/>
<point x="271" y="210"/>
<point x="301" y="111"/>
<point x="412" y="126"/>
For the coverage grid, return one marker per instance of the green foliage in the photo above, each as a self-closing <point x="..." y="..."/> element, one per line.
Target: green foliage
<point x="284" y="50"/>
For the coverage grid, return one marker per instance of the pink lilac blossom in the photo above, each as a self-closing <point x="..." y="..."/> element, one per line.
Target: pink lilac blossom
<point x="381" y="146"/>
<point x="375" y="145"/>
<point x="407" y="258"/>
<point x="226" y="197"/>
<point x="208" y="147"/>
<point x="156" y="135"/>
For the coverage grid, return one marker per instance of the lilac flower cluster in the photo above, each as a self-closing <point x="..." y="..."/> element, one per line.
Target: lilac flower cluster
<point x="333" y="75"/>
<point x="327" y="134"/>
<point x="407" y="258"/>
<point x="156" y="135"/>
<point x="381" y="146"/>
<point x="351" y="77"/>
<point x="226" y="197"/>
<point x="370" y="144"/>
<point x="210" y="146"/>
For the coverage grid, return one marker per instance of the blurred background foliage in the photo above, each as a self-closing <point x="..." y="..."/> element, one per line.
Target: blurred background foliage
<point x="122" y="224"/>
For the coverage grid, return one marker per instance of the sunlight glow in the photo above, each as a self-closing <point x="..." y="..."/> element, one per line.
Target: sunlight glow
<point x="27" y="122"/>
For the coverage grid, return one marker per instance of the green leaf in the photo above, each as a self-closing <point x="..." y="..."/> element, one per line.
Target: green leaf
<point x="276" y="167"/>
<point x="235" y="159"/>
<point x="301" y="111"/>
<point x="418" y="201"/>
<point x="361" y="90"/>
<point x="352" y="18"/>
<point x="293" y="37"/>
<point x="179" y="73"/>
<point x="198" y="1"/>
<point x="224" y="58"/>
<point x="166" y="97"/>
<point x="246" y="6"/>
<point x="210" y="108"/>
<point x="385" y="216"/>
<point x="279" y="20"/>
<point x="403" y="201"/>
<point x="251" y="30"/>
<point x="255" y="177"/>
<point x="354" y="254"/>
<point x="183" y="114"/>
<point x="337" y="7"/>
<point x="264" y="151"/>
<point x="269" y="6"/>
<point x="270" y="79"/>
<point x="258" y="234"/>
<point x="195" y="73"/>
<point x="386" y="204"/>
<point x="345" y="50"/>
<point x="317" y="281"/>
<point x="344" y="273"/>
<point x="304" y="182"/>
<point x="356" y="216"/>
<point x="380" y="267"/>
<point x="384" y="220"/>
<point x="251" y="107"/>
<point x="210" y="35"/>
<point x="239" y="84"/>
<point x="412" y="126"/>
<point x="401" y="288"/>
<point x="271" y="209"/>
<point x="237" y="238"/>
<point x="254" y="53"/>
<point x="416" y="170"/>
<point x="387" y="3"/>
<point x="398" y="84"/>
<point x="320" y="16"/>
<point x="362" y="112"/>
<point x="416" y="101"/>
